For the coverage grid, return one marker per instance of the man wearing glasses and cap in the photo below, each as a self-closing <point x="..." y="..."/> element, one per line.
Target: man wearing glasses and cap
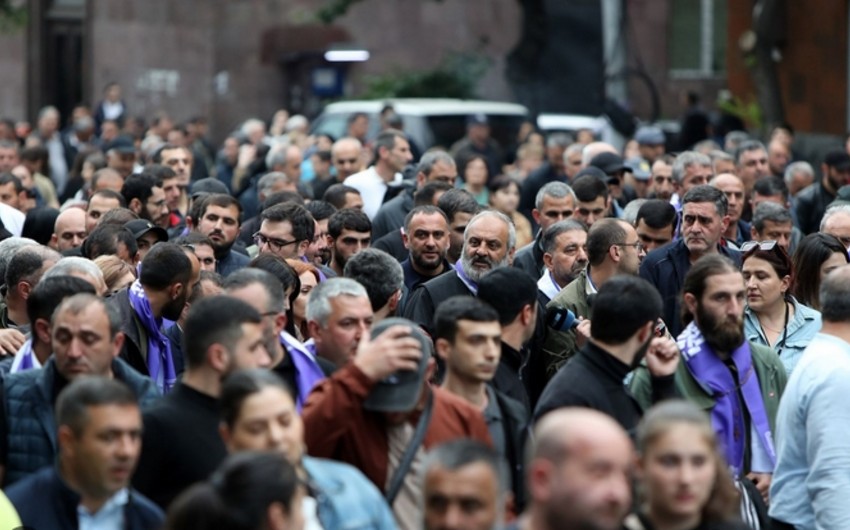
<point x="379" y="414"/>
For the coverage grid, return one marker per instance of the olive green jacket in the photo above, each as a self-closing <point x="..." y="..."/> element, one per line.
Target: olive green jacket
<point x="559" y="346"/>
<point x="769" y="370"/>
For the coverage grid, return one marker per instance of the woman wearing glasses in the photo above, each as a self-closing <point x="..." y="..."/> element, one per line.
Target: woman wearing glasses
<point x="773" y="317"/>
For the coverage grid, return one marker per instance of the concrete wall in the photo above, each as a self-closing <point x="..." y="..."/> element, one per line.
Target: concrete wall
<point x="199" y="57"/>
<point x="13" y="80"/>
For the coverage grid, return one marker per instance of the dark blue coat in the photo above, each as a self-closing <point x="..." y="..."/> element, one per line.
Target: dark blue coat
<point x="43" y="500"/>
<point x="665" y="268"/>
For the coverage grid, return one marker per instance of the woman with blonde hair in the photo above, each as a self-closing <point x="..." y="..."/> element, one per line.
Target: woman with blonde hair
<point x="117" y="273"/>
<point x="683" y="480"/>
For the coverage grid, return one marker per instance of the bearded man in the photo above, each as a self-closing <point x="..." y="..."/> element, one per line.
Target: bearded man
<point x="738" y="382"/>
<point x="489" y="242"/>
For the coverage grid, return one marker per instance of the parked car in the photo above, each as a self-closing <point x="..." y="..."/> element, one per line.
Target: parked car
<point x="429" y="122"/>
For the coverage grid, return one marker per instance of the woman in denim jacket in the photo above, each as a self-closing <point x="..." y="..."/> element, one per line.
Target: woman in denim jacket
<point x="259" y="414"/>
<point x="773" y="317"/>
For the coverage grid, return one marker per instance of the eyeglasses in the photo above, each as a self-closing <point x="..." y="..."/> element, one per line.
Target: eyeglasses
<point x="637" y="245"/>
<point x="274" y="244"/>
<point x="767" y="246"/>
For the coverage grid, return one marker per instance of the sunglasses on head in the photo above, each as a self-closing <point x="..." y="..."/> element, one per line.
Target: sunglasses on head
<point x="760" y="245"/>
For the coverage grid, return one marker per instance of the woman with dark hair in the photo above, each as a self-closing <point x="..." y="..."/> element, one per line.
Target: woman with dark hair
<point x="773" y="317"/>
<point x="683" y="480"/>
<point x="258" y="413"/>
<point x="309" y="277"/>
<point x="474" y="176"/>
<point x="504" y="197"/>
<point x="816" y="256"/>
<point x="250" y="491"/>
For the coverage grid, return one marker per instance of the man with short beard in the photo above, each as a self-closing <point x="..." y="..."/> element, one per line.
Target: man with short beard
<point x="426" y="236"/>
<point x="166" y="280"/>
<point x="222" y="335"/>
<point x="489" y="242"/>
<point x="737" y="381"/>
<point x="219" y="218"/>
<point x="622" y="336"/>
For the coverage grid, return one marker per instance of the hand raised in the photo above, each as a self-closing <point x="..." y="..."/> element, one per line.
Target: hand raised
<point x="393" y="350"/>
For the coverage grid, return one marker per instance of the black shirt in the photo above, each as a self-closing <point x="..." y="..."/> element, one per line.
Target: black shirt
<point x="181" y="444"/>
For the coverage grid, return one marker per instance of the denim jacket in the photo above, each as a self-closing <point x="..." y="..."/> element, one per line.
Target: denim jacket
<point x="802" y="328"/>
<point x="346" y="499"/>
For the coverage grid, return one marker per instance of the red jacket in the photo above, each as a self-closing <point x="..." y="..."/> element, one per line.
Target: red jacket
<point x="336" y="426"/>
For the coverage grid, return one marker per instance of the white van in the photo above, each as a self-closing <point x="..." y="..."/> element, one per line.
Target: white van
<point x="430" y="122"/>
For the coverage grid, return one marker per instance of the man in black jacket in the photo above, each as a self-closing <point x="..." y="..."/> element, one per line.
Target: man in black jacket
<point x="181" y="444"/>
<point x="622" y="332"/>
<point x="468" y="338"/>
<point x="555" y="202"/>
<point x="489" y="241"/>
<point x="812" y="202"/>
<point x="167" y="278"/>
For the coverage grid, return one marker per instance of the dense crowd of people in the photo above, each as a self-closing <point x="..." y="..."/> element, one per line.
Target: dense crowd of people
<point x="294" y="331"/>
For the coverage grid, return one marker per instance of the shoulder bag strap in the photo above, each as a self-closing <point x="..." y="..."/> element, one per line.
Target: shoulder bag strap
<point x="407" y="458"/>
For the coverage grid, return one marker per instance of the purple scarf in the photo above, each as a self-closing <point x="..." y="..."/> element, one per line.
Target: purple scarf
<point x="307" y="370"/>
<point x="471" y="285"/>
<point x="716" y="380"/>
<point x="159" y="361"/>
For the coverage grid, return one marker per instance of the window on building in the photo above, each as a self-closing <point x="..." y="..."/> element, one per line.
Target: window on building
<point x="697" y="38"/>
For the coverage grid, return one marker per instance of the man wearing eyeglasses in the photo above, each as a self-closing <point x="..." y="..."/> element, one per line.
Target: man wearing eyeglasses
<point x="286" y="230"/>
<point x="613" y="248"/>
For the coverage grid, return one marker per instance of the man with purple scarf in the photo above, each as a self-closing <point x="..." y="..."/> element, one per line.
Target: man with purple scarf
<point x="738" y="382"/>
<point x="290" y="359"/>
<point x="168" y="275"/>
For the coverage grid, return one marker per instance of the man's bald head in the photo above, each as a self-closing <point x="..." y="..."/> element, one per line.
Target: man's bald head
<point x="345" y="155"/>
<point x="556" y="433"/>
<point x="579" y="470"/>
<point x="69" y="230"/>
<point x="595" y="148"/>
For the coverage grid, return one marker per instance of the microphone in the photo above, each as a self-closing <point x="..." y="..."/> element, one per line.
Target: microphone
<point x="561" y="319"/>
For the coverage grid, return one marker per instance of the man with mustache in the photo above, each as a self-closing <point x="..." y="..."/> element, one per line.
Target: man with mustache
<point x="219" y="220"/>
<point x="622" y="335"/>
<point x="489" y="242"/>
<point x="564" y="257"/>
<point x="704" y="220"/>
<point x="99" y="440"/>
<point x="468" y="338"/>
<point x="738" y="382"/>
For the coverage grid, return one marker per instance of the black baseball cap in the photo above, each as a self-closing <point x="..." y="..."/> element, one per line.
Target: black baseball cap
<point x="140" y="227"/>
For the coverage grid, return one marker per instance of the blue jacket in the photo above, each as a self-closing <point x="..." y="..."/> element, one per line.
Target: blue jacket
<point x="665" y="268"/>
<point x="802" y="328"/>
<point x="43" y="500"/>
<point x="346" y="498"/>
<point x="27" y="425"/>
